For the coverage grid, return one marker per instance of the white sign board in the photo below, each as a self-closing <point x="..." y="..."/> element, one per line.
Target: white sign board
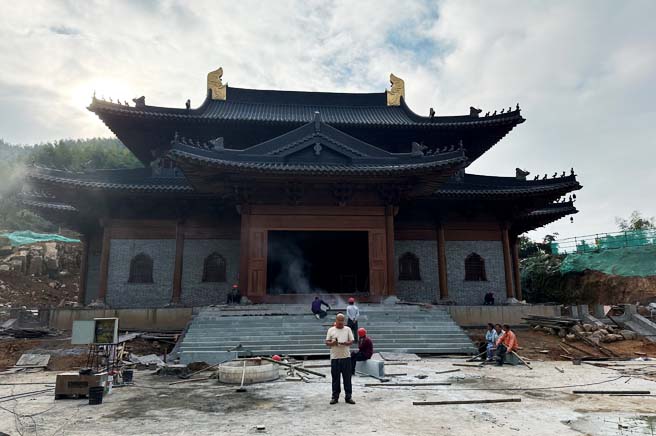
<point x="83" y="332"/>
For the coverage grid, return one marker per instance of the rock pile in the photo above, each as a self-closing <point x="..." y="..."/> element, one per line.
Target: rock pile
<point x="43" y="258"/>
<point x="571" y="329"/>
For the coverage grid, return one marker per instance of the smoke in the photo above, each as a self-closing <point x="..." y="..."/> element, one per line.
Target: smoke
<point x="293" y="276"/>
<point x="13" y="179"/>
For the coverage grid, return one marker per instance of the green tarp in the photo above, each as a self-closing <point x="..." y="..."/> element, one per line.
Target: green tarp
<point x="28" y="237"/>
<point x="630" y="261"/>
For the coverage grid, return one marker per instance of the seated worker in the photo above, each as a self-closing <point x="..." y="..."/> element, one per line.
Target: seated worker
<point x="365" y="349"/>
<point x="506" y="343"/>
<point x="233" y="296"/>
<point x="317" y="309"/>
<point x="491" y="337"/>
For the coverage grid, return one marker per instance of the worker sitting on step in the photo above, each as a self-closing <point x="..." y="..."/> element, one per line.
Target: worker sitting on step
<point x="491" y="337"/>
<point x="317" y="309"/>
<point x="365" y="349"/>
<point x="507" y="343"/>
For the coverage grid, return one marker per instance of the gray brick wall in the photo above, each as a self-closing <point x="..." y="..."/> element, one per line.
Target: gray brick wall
<point x="464" y="292"/>
<point x="120" y="293"/>
<point x="194" y="291"/>
<point x="426" y="289"/>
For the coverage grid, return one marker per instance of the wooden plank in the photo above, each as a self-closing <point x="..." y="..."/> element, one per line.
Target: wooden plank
<point x="450" y="402"/>
<point x="441" y="262"/>
<point x="507" y="269"/>
<point x="177" y="268"/>
<point x="104" y="262"/>
<point x="415" y="234"/>
<point x="618" y="392"/>
<point x="389" y="253"/>
<point x="370" y="385"/>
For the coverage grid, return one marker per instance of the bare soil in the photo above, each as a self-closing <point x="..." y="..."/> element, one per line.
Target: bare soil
<point x="17" y="290"/>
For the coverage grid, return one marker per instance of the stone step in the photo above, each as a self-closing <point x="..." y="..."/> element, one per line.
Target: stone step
<point x="377" y="343"/>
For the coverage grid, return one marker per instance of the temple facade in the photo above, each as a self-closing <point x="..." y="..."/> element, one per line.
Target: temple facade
<point x="292" y="194"/>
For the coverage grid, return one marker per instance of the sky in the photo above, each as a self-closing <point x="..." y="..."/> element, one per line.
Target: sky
<point x="583" y="72"/>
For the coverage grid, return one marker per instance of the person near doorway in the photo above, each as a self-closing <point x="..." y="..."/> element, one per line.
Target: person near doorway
<point x="365" y="349"/>
<point x="339" y="339"/>
<point x="353" y="314"/>
<point x="488" y="300"/>
<point x="507" y="343"/>
<point x="317" y="308"/>
<point x="234" y="297"/>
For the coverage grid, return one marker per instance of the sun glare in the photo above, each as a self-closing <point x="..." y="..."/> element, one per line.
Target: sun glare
<point x="104" y="88"/>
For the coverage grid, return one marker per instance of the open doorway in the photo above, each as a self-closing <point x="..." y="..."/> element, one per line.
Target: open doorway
<point x="308" y="262"/>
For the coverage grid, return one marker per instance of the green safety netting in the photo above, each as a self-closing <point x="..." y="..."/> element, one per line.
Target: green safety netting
<point x="630" y="261"/>
<point x="28" y="237"/>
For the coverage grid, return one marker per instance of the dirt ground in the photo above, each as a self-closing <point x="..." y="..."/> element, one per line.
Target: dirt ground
<point x="152" y="406"/>
<point x="17" y="290"/>
<point x="533" y="345"/>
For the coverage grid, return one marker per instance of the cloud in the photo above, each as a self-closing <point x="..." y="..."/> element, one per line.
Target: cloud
<point x="582" y="73"/>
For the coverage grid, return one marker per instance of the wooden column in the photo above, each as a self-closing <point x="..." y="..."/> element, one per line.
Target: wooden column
<point x="507" y="261"/>
<point x="84" y="268"/>
<point x="518" y="279"/>
<point x="389" y="232"/>
<point x="441" y="262"/>
<point x="104" y="261"/>
<point x="177" y="271"/>
<point x="244" y="249"/>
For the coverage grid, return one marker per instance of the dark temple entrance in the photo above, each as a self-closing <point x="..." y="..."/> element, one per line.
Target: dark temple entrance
<point x="306" y="262"/>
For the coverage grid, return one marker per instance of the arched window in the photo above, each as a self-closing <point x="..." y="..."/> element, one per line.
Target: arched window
<point x="409" y="267"/>
<point x="475" y="268"/>
<point x="214" y="269"/>
<point x="141" y="269"/>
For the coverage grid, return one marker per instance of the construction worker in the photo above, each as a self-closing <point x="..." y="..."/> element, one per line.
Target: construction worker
<point x="317" y="309"/>
<point x="491" y="337"/>
<point x="506" y="343"/>
<point x="233" y="296"/>
<point x="365" y="349"/>
<point x="339" y="339"/>
<point x="353" y="313"/>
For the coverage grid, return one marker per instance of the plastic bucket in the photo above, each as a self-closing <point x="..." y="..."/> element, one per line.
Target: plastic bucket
<point x="96" y="395"/>
<point x="127" y="375"/>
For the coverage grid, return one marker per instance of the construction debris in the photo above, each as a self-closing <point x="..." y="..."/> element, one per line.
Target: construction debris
<point x="443" y="403"/>
<point x="33" y="360"/>
<point x="400" y="357"/>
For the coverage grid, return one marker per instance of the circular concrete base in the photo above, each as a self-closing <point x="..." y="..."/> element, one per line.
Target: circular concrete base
<point x="257" y="371"/>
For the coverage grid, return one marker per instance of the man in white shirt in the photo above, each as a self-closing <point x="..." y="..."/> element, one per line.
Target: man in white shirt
<point x="339" y="339"/>
<point x="353" y="314"/>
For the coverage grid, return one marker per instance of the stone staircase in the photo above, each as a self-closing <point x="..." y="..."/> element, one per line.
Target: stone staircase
<point x="265" y="330"/>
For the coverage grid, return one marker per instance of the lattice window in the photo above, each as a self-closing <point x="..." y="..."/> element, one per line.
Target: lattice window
<point x="141" y="269"/>
<point x="214" y="269"/>
<point x="475" y="268"/>
<point x="409" y="267"/>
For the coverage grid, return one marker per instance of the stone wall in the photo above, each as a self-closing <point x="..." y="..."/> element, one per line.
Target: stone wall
<point x="469" y="292"/>
<point x="194" y="291"/>
<point x="426" y="289"/>
<point x="120" y="293"/>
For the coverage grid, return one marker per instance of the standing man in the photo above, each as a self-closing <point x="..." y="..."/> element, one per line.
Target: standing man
<point x="506" y="343"/>
<point x="353" y="313"/>
<point x="339" y="339"/>
<point x="317" y="310"/>
<point x="365" y="349"/>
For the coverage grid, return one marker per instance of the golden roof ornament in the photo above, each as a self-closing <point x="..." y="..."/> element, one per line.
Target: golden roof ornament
<point x="215" y="85"/>
<point x="396" y="92"/>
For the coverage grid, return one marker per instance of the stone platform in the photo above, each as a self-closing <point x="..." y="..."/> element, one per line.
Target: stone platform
<point x="264" y="330"/>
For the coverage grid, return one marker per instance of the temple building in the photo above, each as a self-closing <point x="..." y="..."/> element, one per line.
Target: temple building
<point x="292" y="194"/>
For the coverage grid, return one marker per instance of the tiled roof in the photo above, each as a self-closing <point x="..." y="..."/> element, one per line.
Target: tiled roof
<point x="317" y="148"/>
<point x="299" y="107"/>
<point x="139" y="179"/>
<point x="477" y="185"/>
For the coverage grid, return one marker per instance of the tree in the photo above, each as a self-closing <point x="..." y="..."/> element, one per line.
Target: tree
<point x="635" y="222"/>
<point x="527" y="247"/>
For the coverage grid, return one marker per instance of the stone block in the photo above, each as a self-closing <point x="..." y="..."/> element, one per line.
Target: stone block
<point x="36" y="266"/>
<point x="375" y="368"/>
<point x="628" y="334"/>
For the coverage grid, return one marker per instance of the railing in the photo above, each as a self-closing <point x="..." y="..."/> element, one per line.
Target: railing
<point x="604" y="241"/>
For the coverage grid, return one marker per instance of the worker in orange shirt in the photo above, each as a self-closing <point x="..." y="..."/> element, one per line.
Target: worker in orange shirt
<point x="506" y="343"/>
